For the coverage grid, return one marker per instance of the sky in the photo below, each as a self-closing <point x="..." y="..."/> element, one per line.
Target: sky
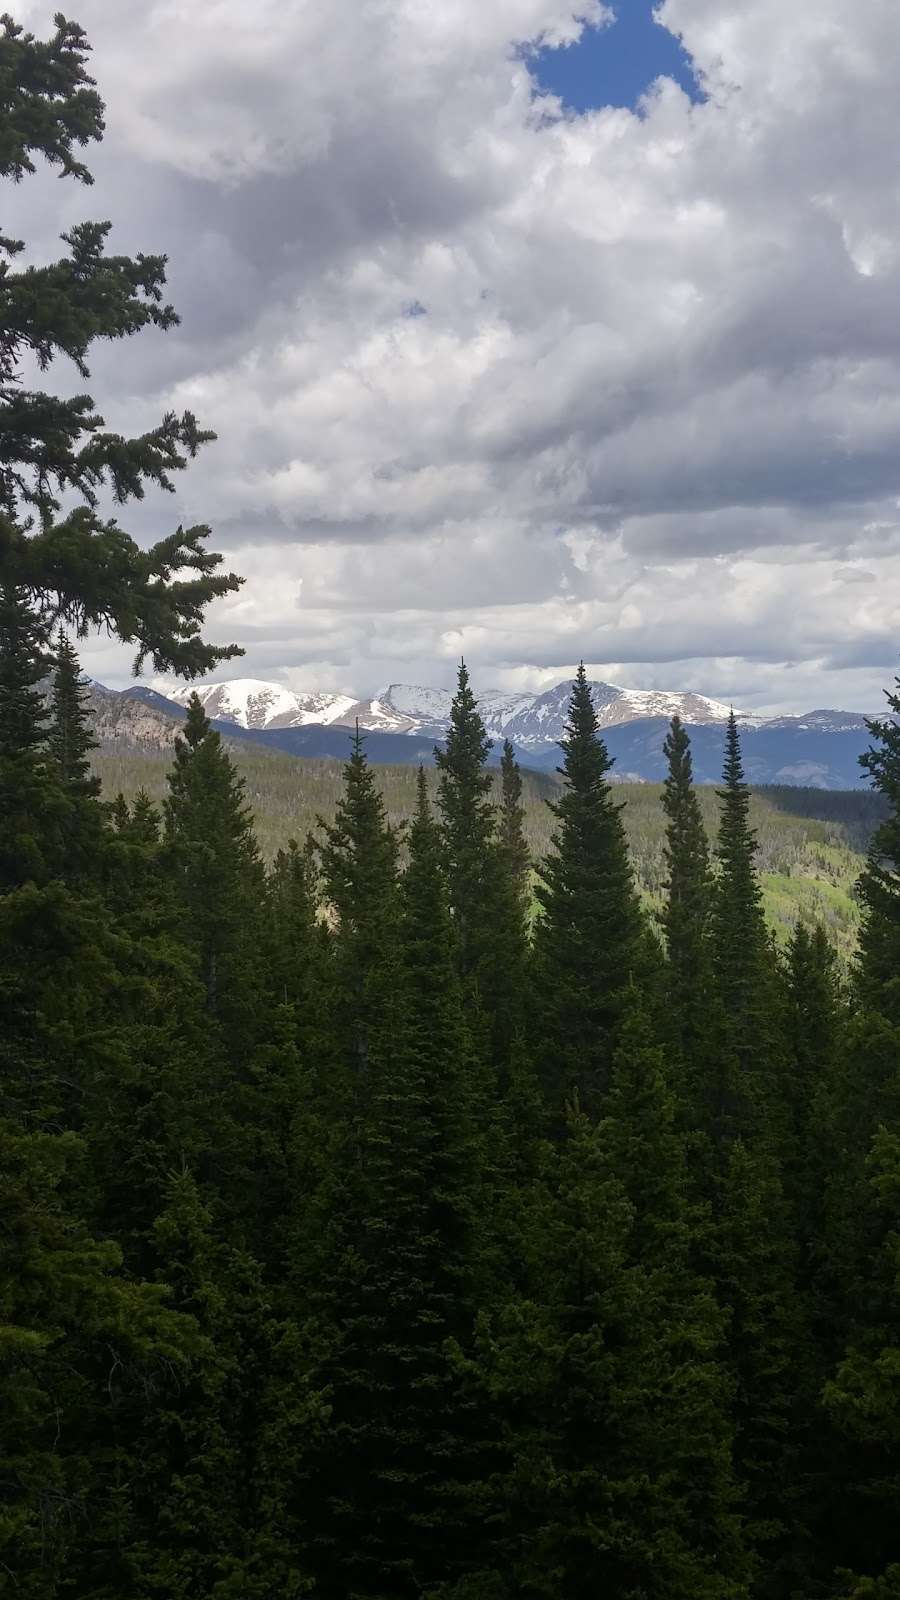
<point x="531" y="330"/>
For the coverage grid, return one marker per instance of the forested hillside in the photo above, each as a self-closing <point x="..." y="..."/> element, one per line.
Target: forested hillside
<point x="406" y="1218"/>
<point x="811" y="843"/>
<point x="373" y="1236"/>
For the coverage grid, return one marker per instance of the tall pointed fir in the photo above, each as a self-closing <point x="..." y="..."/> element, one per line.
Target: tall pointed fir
<point x="469" y="824"/>
<point x="587" y="943"/>
<point x="816" y="1018"/>
<point x="698" y="1503"/>
<point x="879" y="886"/>
<point x="31" y="805"/>
<point x="86" y="1346"/>
<point x="213" y="861"/>
<point x="691" y="1008"/>
<point x="862" y="1396"/>
<point x="359" y="868"/>
<point x="513" y="844"/>
<point x="70" y="741"/>
<point x="70" y="738"/>
<point x="859" y="1280"/>
<point x="488" y="909"/>
<point x="753" y="1244"/>
<point x="605" y="1372"/>
<point x="394" y="1214"/>
<point x="744" y="967"/>
<point x="57" y="976"/>
<point x="209" y="833"/>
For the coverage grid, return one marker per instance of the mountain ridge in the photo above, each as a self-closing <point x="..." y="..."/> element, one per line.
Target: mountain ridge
<point x="819" y="749"/>
<point x="531" y="720"/>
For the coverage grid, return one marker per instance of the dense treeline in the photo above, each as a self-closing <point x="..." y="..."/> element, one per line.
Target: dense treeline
<point x="360" y="1242"/>
<point x="811" y="844"/>
<point x="357" y="1239"/>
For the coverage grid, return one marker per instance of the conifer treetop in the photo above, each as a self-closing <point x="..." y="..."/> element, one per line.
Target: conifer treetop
<point x="70" y="738"/>
<point x="461" y="762"/>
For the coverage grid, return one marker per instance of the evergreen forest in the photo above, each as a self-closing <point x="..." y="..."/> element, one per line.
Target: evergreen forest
<point x="404" y="1217"/>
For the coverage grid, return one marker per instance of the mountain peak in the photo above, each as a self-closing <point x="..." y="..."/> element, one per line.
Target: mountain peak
<point x="532" y="720"/>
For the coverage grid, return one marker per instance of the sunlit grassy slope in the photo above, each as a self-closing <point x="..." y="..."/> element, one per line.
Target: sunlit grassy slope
<point x="810" y="845"/>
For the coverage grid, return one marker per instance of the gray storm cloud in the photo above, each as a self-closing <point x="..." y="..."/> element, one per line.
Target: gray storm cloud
<point x="648" y="407"/>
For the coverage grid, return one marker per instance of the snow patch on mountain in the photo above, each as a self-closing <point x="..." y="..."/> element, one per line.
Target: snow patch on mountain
<point x="532" y="722"/>
<point x="255" y="703"/>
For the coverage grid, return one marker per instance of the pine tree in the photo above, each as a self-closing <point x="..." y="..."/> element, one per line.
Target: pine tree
<point x="752" y="1081"/>
<point x="815" y="1020"/>
<point x="220" y="1468"/>
<point x="483" y="878"/>
<point x="359" y="867"/>
<point x="693" y="1014"/>
<point x="297" y="941"/>
<point x="90" y="1355"/>
<point x="616" y="1478"/>
<point x="57" y="956"/>
<point x="685" y="916"/>
<point x="879" y="886"/>
<point x="77" y="565"/>
<point x="468" y="821"/>
<point x="738" y="926"/>
<point x="648" y="1155"/>
<point x="70" y="738"/>
<point x="513" y="844"/>
<point x="588" y="940"/>
<point x="862" y="1396"/>
<point x="395" y="1207"/>
<point x="32" y="806"/>
<point x="209" y="832"/>
<point x="69" y="743"/>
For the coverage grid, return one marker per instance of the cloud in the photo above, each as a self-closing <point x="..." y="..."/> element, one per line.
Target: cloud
<point x="488" y="376"/>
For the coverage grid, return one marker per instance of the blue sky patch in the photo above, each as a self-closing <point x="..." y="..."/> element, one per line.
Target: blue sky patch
<point x="614" y="65"/>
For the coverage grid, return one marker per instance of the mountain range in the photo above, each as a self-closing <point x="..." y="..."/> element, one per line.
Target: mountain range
<point x="402" y="724"/>
<point x="529" y="721"/>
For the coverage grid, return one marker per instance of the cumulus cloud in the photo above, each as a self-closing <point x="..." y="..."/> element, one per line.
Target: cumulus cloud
<point x="647" y="407"/>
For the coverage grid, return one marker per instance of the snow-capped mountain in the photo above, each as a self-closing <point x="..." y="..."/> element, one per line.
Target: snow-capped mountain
<point x="405" y="720"/>
<point x="820" y="749"/>
<point x="254" y="703"/>
<point x="531" y="721"/>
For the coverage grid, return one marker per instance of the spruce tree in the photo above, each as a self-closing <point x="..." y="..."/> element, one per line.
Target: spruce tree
<point x="90" y="1357"/>
<point x="513" y="844"/>
<point x="862" y="1396"/>
<point x="220" y="1468"/>
<point x="738" y="926"/>
<point x="468" y="820"/>
<point x="879" y="886"/>
<point x="395" y="1213"/>
<point x="359" y="868"/>
<point x="31" y="804"/>
<point x="296" y="938"/>
<point x="751" y="1094"/>
<point x="648" y="1154"/>
<point x="686" y="912"/>
<point x="69" y="743"/>
<point x="588" y="940"/>
<point x="693" y="1013"/>
<point x="70" y="738"/>
<point x="58" y="456"/>
<point x="484" y="880"/>
<point x="815" y="1021"/>
<point x="615" y="1475"/>
<point x="209" y="832"/>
